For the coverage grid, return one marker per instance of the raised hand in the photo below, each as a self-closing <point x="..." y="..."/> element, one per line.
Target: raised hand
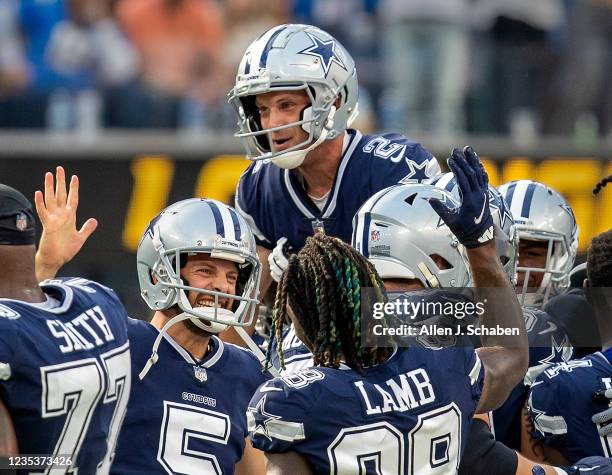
<point x="57" y="208"/>
<point x="471" y="222"/>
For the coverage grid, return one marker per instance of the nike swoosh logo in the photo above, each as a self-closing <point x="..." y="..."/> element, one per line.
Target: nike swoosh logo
<point x="479" y="218"/>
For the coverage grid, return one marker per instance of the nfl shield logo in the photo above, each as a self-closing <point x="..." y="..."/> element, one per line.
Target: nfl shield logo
<point x="375" y="235"/>
<point x="200" y="373"/>
<point x="21" y="222"/>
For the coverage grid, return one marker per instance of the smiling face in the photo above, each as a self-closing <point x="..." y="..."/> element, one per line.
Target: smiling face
<point x="282" y="108"/>
<point x="205" y="272"/>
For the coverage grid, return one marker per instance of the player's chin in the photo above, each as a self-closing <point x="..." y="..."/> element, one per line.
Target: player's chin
<point x="196" y="330"/>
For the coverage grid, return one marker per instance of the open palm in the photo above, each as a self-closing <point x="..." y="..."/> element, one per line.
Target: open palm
<point x="60" y="240"/>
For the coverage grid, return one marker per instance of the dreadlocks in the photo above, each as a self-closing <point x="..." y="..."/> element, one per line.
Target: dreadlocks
<point x="324" y="285"/>
<point x="599" y="260"/>
<point x="601" y="184"/>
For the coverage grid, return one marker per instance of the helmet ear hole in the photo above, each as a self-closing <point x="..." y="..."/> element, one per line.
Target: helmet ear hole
<point x="440" y="262"/>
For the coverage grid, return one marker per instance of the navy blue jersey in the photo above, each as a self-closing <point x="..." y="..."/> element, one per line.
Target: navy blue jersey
<point x="65" y="371"/>
<point x="410" y="414"/>
<point x="548" y="345"/>
<point x="185" y="416"/>
<point x="296" y="355"/>
<point x="573" y="311"/>
<point x="561" y="405"/>
<point x="275" y="205"/>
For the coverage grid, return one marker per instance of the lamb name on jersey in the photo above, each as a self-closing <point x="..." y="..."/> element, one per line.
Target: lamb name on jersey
<point x="187" y="416"/>
<point x="548" y="345"/>
<point x="410" y="414"/>
<point x="561" y="405"/>
<point x="369" y="164"/>
<point x="65" y="372"/>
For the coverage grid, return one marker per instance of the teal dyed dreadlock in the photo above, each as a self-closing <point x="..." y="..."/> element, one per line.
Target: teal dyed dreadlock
<point x="324" y="285"/>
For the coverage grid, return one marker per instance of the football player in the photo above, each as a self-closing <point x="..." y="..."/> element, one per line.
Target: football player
<point x="564" y="398"/>
<point x="65" y="371"/>
<point x="296" y="97"/>
<point x="548" y="341"/>
<point x="548" y="239"/>
<point x="199" y="271"/>
<point x="410" y="248"/>
<point x="403" y="410"/>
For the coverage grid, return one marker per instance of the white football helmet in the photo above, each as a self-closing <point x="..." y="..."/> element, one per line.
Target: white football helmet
<point x="401" y="235"/>
<point x="542" y="214"/>
<point x="290" y="58"/>
<point x="198" y="226"/>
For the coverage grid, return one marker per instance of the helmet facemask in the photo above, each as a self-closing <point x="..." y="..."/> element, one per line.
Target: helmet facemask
<point x="167" y="273"/>
<point x="556" y="269"/>
<point x="316" y="120"/>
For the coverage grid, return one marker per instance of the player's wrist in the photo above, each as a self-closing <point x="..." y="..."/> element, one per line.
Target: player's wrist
<point x="483" y="254"/>
<point x="46" y="268"/>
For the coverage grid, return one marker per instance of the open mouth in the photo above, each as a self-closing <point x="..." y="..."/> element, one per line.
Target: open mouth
<point x="278" y="143"/>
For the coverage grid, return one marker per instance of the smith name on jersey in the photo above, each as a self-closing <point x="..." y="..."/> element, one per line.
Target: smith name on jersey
<point x="275" y="205"/>
<point x="548" y="345"/>
<point x="410" y="414"/>
<point x="186" y="416"/>
<point x="561" y="405"/>
<point x="65" y="372"/>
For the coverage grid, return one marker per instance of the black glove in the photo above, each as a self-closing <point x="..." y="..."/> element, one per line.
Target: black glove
<point x="471" y="222"/>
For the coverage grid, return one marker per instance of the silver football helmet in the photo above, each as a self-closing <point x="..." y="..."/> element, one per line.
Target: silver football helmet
<point x="290" y="58"/>
<point x="506" y="235"/>
<point x="198" y="226"/>
<point x="401" y="234"/>
<point x="542" y="214"/>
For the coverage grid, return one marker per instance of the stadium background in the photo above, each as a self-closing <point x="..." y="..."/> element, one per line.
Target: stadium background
<point x="130" y="95"/>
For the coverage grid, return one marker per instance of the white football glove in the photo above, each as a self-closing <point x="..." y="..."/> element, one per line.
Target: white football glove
<point x="278" y="259"/>
<point x="603" y="419"/>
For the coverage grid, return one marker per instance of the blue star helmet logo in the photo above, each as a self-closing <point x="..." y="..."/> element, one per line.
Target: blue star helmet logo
<point x="325" y="51"/>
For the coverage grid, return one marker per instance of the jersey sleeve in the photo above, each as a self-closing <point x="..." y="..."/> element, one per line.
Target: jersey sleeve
<point x="277" y="412"/>
<point x="9" y="340"/>
<point x="545" y="411"/>
<point x="398" y="159"/>
<point x="246" y="205"/>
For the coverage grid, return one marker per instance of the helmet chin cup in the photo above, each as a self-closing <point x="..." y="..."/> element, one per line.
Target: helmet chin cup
<point x="205" y="322"/>
<point x="211" y="319"/>
<point x="295" y="158"/>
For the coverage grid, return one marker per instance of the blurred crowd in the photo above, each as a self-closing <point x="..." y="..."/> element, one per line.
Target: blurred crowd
<point x="522" y="67"/>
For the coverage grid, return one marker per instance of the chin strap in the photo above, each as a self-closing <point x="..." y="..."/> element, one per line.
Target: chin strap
<point x="154" y="357"/>
<point x="185" y="316"/>
<point x="256" y="350"/>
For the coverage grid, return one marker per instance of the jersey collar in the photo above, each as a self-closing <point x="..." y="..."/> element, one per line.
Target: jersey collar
<point x="55" y="290"/>
<point x="209" y="360"/>
<point x="300" y="198"/>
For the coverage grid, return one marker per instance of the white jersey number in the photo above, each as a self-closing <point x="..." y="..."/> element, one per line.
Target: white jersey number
<point x="181" y="423"/>
<point x="74" y="389"/>
<point x="433" y="446"/>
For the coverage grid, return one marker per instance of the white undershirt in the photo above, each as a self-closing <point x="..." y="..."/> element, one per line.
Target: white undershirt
<point x="320" y="202"/>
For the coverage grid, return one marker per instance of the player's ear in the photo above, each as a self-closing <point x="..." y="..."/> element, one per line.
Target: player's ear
<point x="586" y="284"/>
<point x="152" y="277"/>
